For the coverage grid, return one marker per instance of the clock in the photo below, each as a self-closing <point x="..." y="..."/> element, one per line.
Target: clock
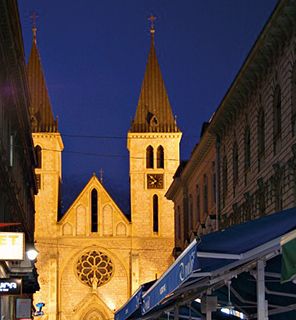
<point x="154" y="181"/>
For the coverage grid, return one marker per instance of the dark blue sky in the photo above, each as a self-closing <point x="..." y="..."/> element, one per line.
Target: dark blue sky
<point x="94" y="55"/>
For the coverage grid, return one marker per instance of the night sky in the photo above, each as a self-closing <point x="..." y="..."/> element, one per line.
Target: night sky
<point x="94" y="55"/>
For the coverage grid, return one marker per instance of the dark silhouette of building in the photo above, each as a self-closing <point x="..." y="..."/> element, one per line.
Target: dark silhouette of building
<point x="17" y="159"/>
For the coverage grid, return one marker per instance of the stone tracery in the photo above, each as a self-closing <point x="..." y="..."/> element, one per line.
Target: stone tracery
<point x="94" y="268"/>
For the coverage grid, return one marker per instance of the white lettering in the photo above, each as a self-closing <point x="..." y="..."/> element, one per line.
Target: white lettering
<point x="162" y="289"/>
<point x="5" y="286"/>
<point x="186" y="269"/>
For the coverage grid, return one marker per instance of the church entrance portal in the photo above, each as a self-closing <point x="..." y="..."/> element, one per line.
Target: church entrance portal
<point x="93" y="315"/>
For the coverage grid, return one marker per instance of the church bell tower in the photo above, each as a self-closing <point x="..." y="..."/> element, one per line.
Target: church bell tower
<point x="48" y="148"/>
<point x="153" y="143"/>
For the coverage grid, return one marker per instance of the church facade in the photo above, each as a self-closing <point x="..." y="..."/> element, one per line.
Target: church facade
<point x="93" y="258"/>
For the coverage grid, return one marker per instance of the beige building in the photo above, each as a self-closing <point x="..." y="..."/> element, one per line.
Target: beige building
<point x="193" y="192"/>
<point x="94" y="258"/>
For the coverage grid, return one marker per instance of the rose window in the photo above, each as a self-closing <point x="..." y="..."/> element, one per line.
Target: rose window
<point x="94" y="268"/>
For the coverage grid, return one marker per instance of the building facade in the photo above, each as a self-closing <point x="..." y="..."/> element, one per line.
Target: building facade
<point x="17" y="160"/>
<point x="194" y="193"/>
<point x="250" y="138"/>
<point x="255" y="126"/>
<point x="93" y="258"/>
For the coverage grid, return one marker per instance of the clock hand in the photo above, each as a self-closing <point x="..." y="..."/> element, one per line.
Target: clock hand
<point x="152" y="178"/>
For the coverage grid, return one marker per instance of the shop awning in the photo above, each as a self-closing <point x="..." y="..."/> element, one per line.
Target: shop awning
<point x="208" y="262"/>
<point x="177" y="274"/>
<point x="132" y="306"/>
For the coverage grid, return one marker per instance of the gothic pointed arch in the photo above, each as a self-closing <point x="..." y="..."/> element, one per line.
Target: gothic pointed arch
<point x="38" y="154"/>
<point x="160" y="157"/>
<point x="93" y="314"/>
<point x="155" y="213"/>
<point x="94" y="210"/>
<point x="149" y="157"/>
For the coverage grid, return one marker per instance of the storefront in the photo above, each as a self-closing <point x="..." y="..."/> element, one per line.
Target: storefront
<point x="18" y="276"/>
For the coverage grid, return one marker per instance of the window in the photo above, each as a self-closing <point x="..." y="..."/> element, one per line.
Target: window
<point x="247" y="148"/>
<point x="224" y="180"/>
<point x="235" y="165"/>
<point x="155" y="213"/>
<point x="205" y="194"/>
<point x="160" y="157"/>
<point x="277" y="116"/>
<point x="293" y="89"/>
<point x="178" y="224"/>
<point x="197" y="204"/>
<point x="149" y="157"/>
<point x="261" y="132"/>
<point x="190" y="220"/>
<point x="38" y="153"/>
<point x="94" y="210"/>
<point x="214" y="186"/>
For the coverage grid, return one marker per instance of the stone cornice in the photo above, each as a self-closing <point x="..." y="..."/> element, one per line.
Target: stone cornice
<point x="154" y="135"/>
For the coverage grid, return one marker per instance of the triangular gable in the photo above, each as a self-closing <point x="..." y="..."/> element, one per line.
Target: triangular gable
<point x="111" y="220"/>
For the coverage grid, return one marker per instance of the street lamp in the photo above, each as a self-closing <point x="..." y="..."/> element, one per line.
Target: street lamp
<point x="31" y="252"/>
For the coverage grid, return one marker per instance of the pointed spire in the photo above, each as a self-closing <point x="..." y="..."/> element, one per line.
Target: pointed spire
<point x="42" y="119"/>
<point x="154" y="112"/>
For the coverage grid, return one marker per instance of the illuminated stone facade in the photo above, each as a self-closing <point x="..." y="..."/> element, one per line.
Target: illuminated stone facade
<point x="93" y="258"/>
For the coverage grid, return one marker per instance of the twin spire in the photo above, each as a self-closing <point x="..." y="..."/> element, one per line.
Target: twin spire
<point x="154" y="112"/>
<point x="42" y="119"/>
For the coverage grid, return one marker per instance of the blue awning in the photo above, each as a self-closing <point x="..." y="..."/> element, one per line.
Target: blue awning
<point x="213" y="255"/>
<point x="178" y="273"/>
<point x="222" y="251"/>
<point x="133" y="304"/>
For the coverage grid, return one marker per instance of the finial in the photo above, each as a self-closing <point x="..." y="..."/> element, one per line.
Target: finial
<point x="152" y="18"/>
<point x="34" y="17"/>
<point x="101" y="175"/>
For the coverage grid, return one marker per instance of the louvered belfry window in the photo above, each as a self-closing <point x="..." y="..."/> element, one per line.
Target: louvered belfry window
<point x="160" y="157"/>
<point x="149" y="157"/>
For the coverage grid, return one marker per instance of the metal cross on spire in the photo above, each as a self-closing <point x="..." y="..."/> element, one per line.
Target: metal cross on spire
<point x="101" y="175"/>
<point x="34" y="17"/>
<point x="152" y="18"/>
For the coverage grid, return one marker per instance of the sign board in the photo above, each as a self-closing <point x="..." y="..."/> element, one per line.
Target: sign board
<point x="23" y="308"/>
<point x="10" y="286"/>
<point x="12" y="245"/>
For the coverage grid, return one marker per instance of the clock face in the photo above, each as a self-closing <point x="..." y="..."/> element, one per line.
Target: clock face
<point x="154" y="181"/>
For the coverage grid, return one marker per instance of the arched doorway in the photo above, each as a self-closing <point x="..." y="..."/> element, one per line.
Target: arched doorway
<point x="93" y="315"/>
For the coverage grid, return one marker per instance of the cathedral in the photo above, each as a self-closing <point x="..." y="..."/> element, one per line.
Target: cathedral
<point x="93" y="258"/>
